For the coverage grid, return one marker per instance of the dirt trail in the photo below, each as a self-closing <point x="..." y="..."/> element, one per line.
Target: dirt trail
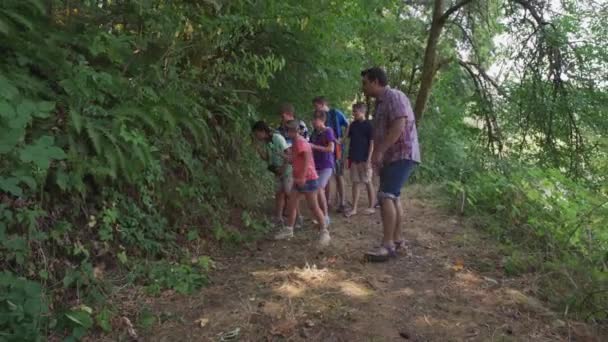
<point x="447" y="287"/>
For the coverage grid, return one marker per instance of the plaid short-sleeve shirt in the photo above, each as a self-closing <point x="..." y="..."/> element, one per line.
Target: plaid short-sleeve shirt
<point x="391" y="105"/>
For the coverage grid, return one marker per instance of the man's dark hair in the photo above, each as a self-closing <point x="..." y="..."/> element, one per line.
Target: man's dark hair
<point x="287" y="108"/>
<point x="320" y="99"/>
<point x="360" y="107"/>
<point x="376" y="74"/>
<point x="261" y="126"/>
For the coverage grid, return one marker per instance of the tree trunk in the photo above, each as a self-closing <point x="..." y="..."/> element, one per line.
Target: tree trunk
<point x="430" y="56"/>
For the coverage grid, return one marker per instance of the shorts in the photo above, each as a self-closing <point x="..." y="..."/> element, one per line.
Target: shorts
<point x="324" y="176"/>
<point x="393" y="176"/>
<point x="360" y="172"/>
<point x="311" y="185"/>
<point x="284" y="183"/>
<point x="339" y="168"/>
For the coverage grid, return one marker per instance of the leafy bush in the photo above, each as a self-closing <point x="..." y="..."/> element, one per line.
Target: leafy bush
<point x="22" y="308"/>
<point x="560" y="223"/>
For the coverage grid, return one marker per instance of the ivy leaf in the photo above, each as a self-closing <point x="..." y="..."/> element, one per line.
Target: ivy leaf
<point x="76" y="120"/>
<point x="6" y="110"/>
<point x="7" y="89"/>
<point x="10" y="138"/>
<point x="11" y="185"/>
<point x="81" y="318"/>
<point x="3" y="27"/>
<point x="44" y="109"/>
<point x="42" y="152"/>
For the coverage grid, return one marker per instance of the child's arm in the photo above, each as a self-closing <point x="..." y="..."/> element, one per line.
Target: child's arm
<point x="328" y="148"/>
<point x="371" y="151"/>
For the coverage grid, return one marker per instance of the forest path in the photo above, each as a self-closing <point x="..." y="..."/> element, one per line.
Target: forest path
<point x="448" y="286"/>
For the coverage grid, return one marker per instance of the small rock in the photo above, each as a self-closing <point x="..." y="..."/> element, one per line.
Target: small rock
<point x="404" y="334"/>
<point x="309" y="323"/>
<point x="558" y="323"/>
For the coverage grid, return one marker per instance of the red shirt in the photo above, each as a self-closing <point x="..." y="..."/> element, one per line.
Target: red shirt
<point x="300" y="148"/>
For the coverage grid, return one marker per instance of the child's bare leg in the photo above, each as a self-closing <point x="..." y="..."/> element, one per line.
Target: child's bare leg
<point x="292" y="208"/>
<point x="371" y="195"/>
<point x="322" y="202"/>
<point x="313" y="205"/>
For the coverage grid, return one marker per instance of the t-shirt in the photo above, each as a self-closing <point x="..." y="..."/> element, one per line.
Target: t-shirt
<point x="336" y="121"/>
<point x="276" y="151"/>
<point x="299" y="148"/>
<point x="361" y="135"/>
<point x="323" y="160"/>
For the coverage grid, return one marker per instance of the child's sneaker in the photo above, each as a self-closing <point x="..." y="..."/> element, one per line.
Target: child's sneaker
<point x="299" y="221"/>
<point x="324" y="238"/>
<point x="284" y="234"/>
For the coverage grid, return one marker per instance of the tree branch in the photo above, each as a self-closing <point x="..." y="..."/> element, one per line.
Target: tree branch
<point x="527" y="5"/>
<point x="453" y="9"/>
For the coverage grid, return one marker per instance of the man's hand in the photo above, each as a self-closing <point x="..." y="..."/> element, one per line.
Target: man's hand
<point x="376" y="159"/>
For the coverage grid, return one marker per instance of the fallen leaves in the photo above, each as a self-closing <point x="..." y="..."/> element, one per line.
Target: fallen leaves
<point x="202" y="322"/>
<point x="284" y="328"/>
<point x="130" y="329"/>
<point x="458" y="265"/>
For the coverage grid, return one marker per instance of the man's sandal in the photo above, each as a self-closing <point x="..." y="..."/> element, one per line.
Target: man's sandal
<point x="380" y="254"/>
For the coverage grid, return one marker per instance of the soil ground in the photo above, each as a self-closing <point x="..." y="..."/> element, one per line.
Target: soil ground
<point x="447" y="286"/>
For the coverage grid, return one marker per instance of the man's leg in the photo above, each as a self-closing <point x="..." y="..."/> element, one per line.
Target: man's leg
<point x="389" y="219"/>
<point x="397" y="233"/>
<point x="392" y="178"/>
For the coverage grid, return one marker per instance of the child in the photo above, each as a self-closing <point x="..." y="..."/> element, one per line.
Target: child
<point x="323" y="143"/>
<point x="360" y="150"/>
<point x="274" y="153"/>
<point x="305" y="183"/>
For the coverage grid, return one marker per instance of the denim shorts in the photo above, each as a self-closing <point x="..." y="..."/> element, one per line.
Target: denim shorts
<point x="324" y="176"/>
<point x="310" y="186"/>
<point x="393" y="176"/>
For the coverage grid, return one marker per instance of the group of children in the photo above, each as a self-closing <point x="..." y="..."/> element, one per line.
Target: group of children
<point x="305" y="163"/>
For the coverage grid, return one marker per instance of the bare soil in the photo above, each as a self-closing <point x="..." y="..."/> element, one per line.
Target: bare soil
<point x="447" y="286"/>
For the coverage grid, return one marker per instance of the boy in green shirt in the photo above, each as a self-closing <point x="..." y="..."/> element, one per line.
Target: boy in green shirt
<point x="275" y="154"/>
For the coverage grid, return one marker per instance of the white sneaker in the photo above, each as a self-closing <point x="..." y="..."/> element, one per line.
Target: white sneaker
<point x="299" y="221"/>
<point x="284" y="234"/>
<point x="324" y="238"/>
<point x="327" y="221"/>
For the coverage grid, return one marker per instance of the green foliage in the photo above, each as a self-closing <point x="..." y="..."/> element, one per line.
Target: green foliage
<point x="184" y="278"/>
<point x="125" y="134"/>
<point x="22" y="308"/>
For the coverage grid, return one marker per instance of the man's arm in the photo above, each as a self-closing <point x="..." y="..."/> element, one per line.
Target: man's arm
<point x="371" y="151"/>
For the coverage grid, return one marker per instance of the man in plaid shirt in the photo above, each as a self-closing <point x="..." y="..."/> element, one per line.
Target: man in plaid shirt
<point x="396" y="154"/>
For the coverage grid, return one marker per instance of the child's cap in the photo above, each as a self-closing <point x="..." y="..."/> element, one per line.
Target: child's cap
<point x="292" y="125"/>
